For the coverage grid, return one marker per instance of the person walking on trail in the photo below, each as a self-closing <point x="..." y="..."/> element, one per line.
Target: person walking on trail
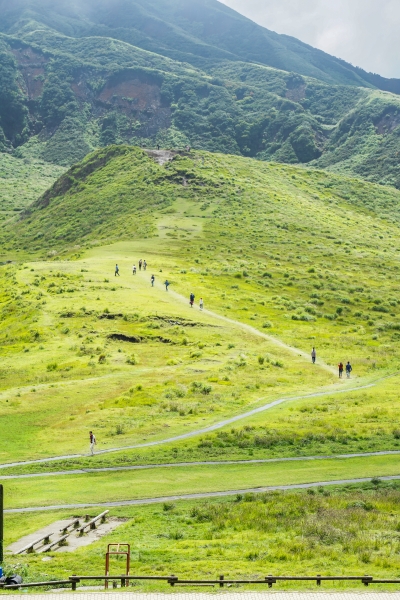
<point x="117" y="270"/>
<point x="152" y="280"/>
<point x="166" y="283"/>
<point x="313" y="356"/>
<point x="134" y="270"/>
<point x="144" y="265"/>
<point x="349" y="369"/>
<point x="92" y="440"/>
<point x="140" y="264"/>
<point x="191" y="299"/>
<point x="340" y="367"/>
<point x="201" y="304"/>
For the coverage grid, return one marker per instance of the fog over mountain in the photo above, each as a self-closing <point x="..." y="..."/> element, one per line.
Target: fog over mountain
<point x="362" y="32"/>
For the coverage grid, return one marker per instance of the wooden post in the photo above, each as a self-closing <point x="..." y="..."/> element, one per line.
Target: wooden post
<point x="221" y="578"/>
<point x="318" y="579"/>
<point x="74" y="584"/>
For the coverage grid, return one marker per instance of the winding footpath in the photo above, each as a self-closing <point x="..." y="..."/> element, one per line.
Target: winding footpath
<point x="200" y="463"/>
<point x="230" y="420"/>
<point x="198" y="496"/>
<point x="209" y="428"/>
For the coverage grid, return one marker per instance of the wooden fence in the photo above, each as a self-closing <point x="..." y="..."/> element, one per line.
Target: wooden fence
<point x="173" y="580"/>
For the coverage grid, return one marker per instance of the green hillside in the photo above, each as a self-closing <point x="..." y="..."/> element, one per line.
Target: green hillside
<point x="75" y="79"/>
<point x="306" y="256"/>
<point x="286" y="259"/>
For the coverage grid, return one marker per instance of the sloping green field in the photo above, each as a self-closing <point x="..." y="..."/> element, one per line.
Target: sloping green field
<point x="285" y="259"/>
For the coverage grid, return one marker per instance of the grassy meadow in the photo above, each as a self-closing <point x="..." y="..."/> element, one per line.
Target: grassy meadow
<point x="285" y="259"/>
<point x="22" y="182"/>
<point x="339" y="530"/>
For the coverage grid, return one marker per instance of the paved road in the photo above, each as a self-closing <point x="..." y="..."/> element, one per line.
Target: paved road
<point x="199" y="496"/>
<point x="199" y="463"/>
<point x="210" y="428"/>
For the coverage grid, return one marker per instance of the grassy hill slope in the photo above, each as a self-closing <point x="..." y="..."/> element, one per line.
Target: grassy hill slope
<point x="286" y="259"/>
<point x="305" y="256"/>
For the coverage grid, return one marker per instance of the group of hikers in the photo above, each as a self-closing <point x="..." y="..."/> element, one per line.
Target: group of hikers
<point x="348" y="368"/>
<point x="143" y="265"/>
<point x="191" y="301"/>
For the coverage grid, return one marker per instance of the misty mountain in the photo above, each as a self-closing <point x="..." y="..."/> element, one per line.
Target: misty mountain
<point x="78" y="75"/>
<point x="197" y="32"/>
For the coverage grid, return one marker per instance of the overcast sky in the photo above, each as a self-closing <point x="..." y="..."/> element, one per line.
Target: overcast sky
<point x="366" y="33"/>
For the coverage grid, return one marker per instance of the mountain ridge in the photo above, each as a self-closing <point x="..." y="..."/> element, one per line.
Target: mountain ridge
<point x="64" y="96"/>
<point x="166" y="25"/>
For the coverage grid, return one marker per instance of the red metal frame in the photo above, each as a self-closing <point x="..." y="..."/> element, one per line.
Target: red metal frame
<point x="116" y="552"/>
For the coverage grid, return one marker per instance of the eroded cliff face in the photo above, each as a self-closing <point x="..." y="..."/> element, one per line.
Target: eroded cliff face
<point x="100" y="106"/>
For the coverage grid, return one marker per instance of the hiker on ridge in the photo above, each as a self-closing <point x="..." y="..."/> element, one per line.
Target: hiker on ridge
<point x="349" y="369"/>
<point x="152" y="279"/>
<point x="166" y="283"/>
<point x="140" y="264"/>
<point x="117" y="271"/>
<point x="340" y="367"/>
<point x="201" y="304"/>
<point x="191" y="299"/>
<point x="134" y="270"/>
<point x="144" y="265"/>
<point x="313" y="356"/>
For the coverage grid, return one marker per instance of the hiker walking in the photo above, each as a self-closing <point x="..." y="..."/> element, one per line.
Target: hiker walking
<point x="140" y="264"/>
<point x="313" y="356"/>
<point x="117" y="271"/>
<point x="152" y="279"/>
<point x="349" y="369"/>
<point x="134" y="270"/>
<point x="201" y="304"/>
<point x="340" y="367"/>
<point x="191" y="299"/>
<point x="144" y="265"/>
<point x="166" y="283"/>
<point x="92" y="440"/>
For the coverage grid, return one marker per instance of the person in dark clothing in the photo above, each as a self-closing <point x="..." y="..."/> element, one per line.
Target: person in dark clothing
<point x="349" y="369"/>
<point x="166" y="283"/>
<point x="340" y="367"/>
<point x="117" y="270"/>
<point x="140" y="264"/>
<point x="191" y="300"/>
<point x="152" y="280"/>
<point x="313" y="356"/>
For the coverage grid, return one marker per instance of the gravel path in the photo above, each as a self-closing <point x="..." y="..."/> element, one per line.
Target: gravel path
<point x="205" y="463"/>
<point x="199" y="496"/>
<point x="208" y="429"/>
<point x="230" y="420"/>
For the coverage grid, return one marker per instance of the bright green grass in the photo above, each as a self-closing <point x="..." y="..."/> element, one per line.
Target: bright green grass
<point x="159" y="482"/>
<point x="333" y="531"/>
<point x="71" y="377"/>
<point x="242" y="241"/>
<point x="22" y="182"/>
<point x="308" y="427"/>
